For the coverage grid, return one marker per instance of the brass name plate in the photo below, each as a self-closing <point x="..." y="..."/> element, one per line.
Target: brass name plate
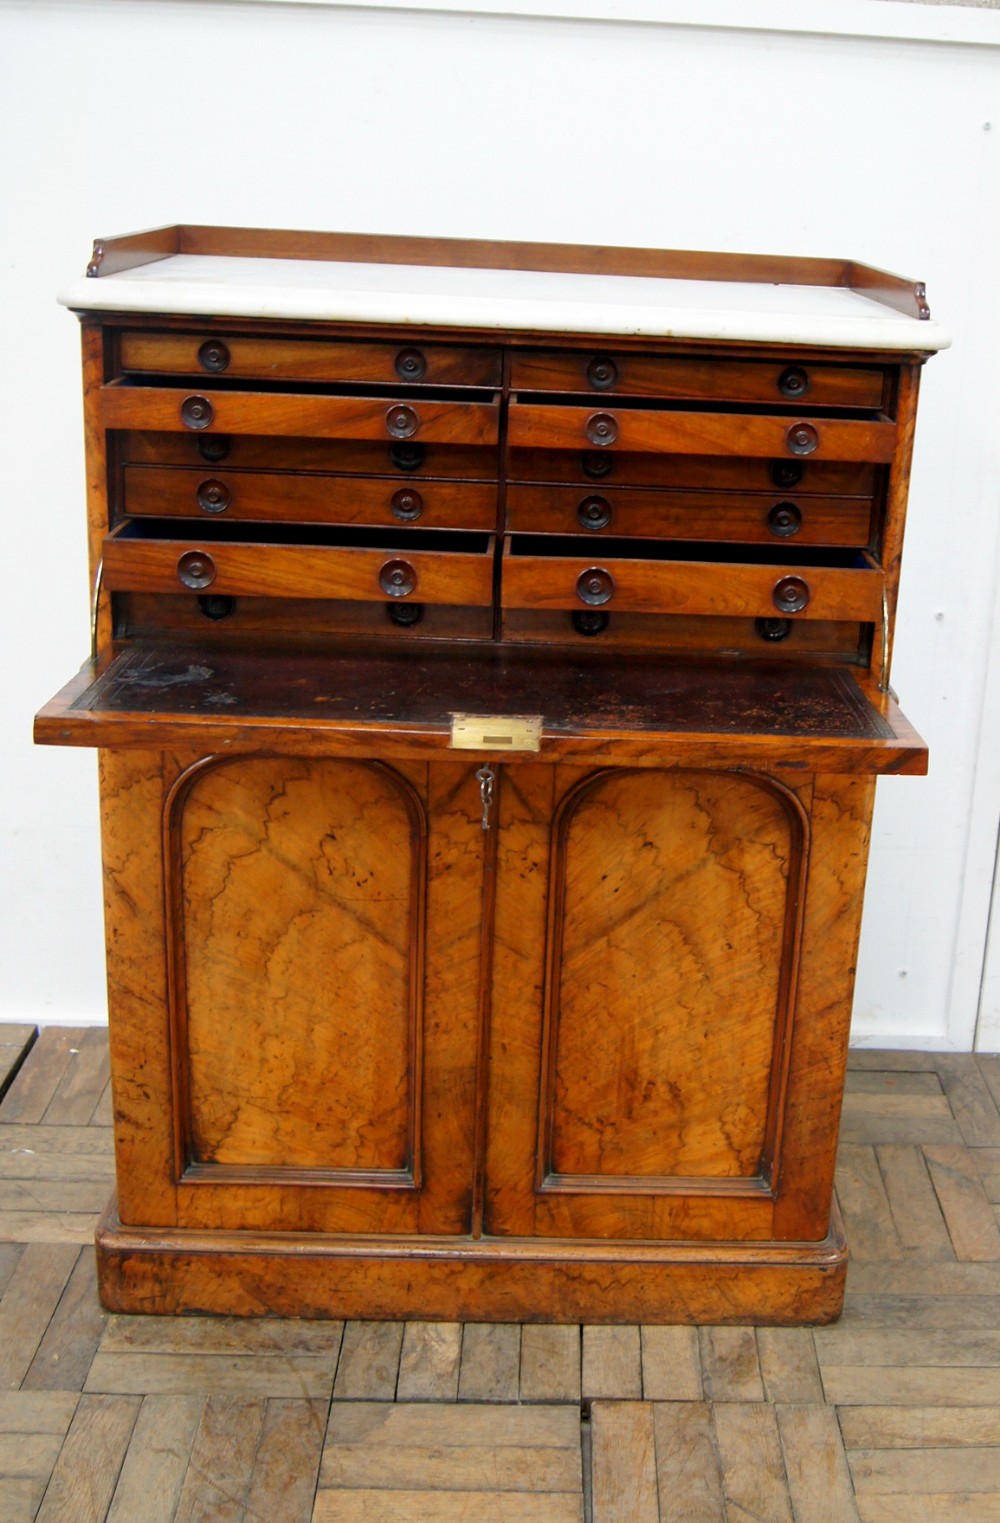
<point x="496" y="732"/>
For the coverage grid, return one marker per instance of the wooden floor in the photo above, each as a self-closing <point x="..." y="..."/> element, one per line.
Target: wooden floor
<point x="893" y="1416"/>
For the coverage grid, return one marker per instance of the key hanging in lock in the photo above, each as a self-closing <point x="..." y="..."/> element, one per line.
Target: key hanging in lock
<point x="487" y="777"/>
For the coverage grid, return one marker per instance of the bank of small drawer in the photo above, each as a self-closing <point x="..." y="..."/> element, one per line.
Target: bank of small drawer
<point x="619" y="576"/>
<point x="774" y="519"/>
<point x="361" y="566"/>
<point x="648" y="430"/>
<point x="232" y="357"/>
<point x="699" y="378"/>
<point x="262" y="496"/>
<point x="693" y="472"/>
<point x="254" y="452"/>
<point x="206" y="412"/>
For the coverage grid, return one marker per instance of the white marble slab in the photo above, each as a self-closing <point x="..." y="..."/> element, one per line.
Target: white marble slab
<point x="304" y="289"/>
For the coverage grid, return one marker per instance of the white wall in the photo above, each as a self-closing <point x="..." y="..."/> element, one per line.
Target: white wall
<point x="121" y="114"/>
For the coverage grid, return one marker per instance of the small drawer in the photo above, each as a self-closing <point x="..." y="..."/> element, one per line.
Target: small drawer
<point x="746" y="583"/>
<point x="206" y="412"/>
<point x="774" y="519"/>
<point x="647" y="430"/>
<point x="287" y="498"/>
<point x="698" y="378"/>
<point x="692" y="472"/>
<point x="230" y="357"/>
<point x="405" y="461"/>
<point x="149" y="555"/>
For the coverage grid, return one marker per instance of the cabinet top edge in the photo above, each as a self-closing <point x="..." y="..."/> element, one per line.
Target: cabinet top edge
<point x="496" y="287"/>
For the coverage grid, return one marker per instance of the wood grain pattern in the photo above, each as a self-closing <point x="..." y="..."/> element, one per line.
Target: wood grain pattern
<point x="724" y="516"/>
<point x="646" y="868"/>
<point x="315" y="875"/>
<point x="534" y="425"/>
<point x="657" y="375"/>
<point x="315" y="498"/>
<point x="245" y="412"/>
<point x="289" y="359"/>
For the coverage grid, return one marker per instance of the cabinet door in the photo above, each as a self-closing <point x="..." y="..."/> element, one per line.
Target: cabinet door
<point x="316" y="1010"/>
<point x="640" y="1062"/>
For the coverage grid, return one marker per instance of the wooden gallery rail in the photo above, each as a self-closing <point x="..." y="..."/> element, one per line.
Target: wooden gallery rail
<point x="490" y="671"/>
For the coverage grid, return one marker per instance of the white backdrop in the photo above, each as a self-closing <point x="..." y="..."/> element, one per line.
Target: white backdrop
<point x="122" y="114"/>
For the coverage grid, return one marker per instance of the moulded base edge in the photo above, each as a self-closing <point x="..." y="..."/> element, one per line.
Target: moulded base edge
<point x="251" y="1274"/>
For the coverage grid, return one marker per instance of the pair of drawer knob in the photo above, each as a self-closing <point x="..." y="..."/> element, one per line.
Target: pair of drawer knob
<point x="197" y="570"/>
<point x="596" y="586"/>
<point x="602" y="429"/>
<point x="198" y="413"/>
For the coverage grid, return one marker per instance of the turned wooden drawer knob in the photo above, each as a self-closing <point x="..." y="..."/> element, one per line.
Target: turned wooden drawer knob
<point x="802" y="438"/>
<point x="793" y="382"/>
<point x="213" y="496"/>
<point x="406" y="505"/>
<point x="410" y="365"/>
<point x="791" y="594"/>
<point x="196" y="412"/>
<point x="196" y="570"/>
<point x="784" y="519"/>
<point x="595" y="587"/>
<point x="602" y="428"/>
<point x="397" y="579"/>
<point x="602" y="373"/>
<point x="594" y="512"/>
<point x="402" y="422"/>
<point x="213" y="355"/>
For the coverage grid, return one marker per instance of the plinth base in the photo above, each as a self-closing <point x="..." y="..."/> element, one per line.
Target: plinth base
<point x="253" y="1274"/>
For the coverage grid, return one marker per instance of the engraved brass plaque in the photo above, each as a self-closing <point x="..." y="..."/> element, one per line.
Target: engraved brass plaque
<point x="496" y="732"/>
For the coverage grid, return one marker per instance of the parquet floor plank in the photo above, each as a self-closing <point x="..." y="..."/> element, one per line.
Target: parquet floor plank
<point x="550" y="1362"/>
<point x="916" y="1213"/>
<point x="83" y="1080"/>
<point x="919" y="1427"/>
<point x="612" y="1363"/>
<point x="429" y="1361"/>
<point x="40" y="1075"/>
<point x="27" y="1306"/>
<point x="871" y="1230"/>
<point x="688" y="1470"/>
<point x="219" y="1473"/>
<point x="730" y="1366"/>
<point x="788" y="1364"/>
<point x="66" y="1352"/>
<point x="671" y="1364"/>
<point x="491" y="1362"/>
<point x="967" y="1211"/>
<point x="286" y="1466"/>
<point x="969" y="1097"/>
<point x="86" y="1472"/>
<point x="753" y="1468"/>
<point x="149" y="1486"/>
<point x="816" y="1465"/>
<point x="624" y="1463"/>
<point x="368" y="1368"/>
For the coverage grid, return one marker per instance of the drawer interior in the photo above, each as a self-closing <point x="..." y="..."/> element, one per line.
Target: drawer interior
<point x="448" y="541"/>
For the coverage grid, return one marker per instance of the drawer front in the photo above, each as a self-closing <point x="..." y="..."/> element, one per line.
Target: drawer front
<point x="265" y="496"/>
<point x="246" y="569"/>
<point x="655" y="431"/>
<point x="253" y="452"/>
<point x="230" y="357"/>
<point x="230" y="412"/>
<point x="766" y="519"/>
<point x="594" y="467"/>
<point x="779" y="381"/>
<point x="616" y="583"/>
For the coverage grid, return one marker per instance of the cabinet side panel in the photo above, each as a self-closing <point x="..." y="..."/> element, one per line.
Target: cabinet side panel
<point x="300" y="886"/>
<point x="139" y="1025"/>
<point x="668" y="941"/>
<point x="841" y="825"/>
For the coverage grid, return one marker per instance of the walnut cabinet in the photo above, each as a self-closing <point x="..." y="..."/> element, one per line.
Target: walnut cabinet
<point x="490" y="706"/>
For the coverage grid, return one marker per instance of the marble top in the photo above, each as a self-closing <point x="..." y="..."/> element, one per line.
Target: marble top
<point x="528" y="300"/>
